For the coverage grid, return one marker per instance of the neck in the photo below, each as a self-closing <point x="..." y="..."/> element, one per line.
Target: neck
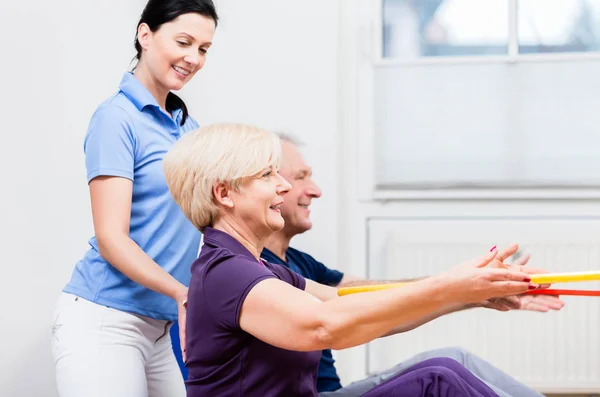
<point x="156" y="89"/>
<point x="245" y="236"/>
<point x="278" y="243"/>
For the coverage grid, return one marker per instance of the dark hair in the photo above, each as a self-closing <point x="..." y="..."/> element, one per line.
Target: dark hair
<point x="158" y="12"/>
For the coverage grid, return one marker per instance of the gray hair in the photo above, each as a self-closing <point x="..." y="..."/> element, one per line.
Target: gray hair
<point x="289" y="138"/>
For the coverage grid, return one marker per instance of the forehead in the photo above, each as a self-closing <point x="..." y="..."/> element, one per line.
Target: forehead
<point x="201" y="28"/>
<point x="292" y="159"/>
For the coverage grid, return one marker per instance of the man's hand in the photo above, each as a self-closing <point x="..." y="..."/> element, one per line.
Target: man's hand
<point x="541" y="303"/>
<point x="536" y="303"/>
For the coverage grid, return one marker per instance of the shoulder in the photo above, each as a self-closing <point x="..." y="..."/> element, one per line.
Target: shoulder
<point x="286" y="275"/>
<point x="116" y="109"/>
<point x="217" y="262"/>
<point x="298" y="255"/>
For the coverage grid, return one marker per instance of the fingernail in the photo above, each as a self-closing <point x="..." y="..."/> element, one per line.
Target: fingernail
<point x="527" y="279"/>
<point x="493" y="248"/>
<point x="532" y="286"/>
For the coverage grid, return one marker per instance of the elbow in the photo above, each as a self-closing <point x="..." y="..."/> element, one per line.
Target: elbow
<point x="329" y="334"/>
<point x="323" y="338"/>
<point x="108" y="243"/>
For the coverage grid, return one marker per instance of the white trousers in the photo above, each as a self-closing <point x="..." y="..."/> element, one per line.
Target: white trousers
<point x="101" y="352"/>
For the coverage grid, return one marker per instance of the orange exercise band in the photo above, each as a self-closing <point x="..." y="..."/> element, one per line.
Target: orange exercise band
<point x="573" y="292"/>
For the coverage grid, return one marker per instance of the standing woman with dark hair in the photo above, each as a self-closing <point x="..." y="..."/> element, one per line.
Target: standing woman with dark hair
<point x="111" y="328"/>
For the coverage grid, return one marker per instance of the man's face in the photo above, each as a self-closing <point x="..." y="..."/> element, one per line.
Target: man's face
<point x="296" y="205"/>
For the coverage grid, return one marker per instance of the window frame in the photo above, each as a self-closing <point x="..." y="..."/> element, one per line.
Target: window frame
<point x="369" y="41"/>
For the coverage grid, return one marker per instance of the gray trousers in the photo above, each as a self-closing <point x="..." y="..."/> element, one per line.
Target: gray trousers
<point x="500" y="382"/>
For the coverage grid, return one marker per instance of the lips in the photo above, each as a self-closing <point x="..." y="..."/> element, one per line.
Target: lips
<point x="276" y="207"/>
<point x="181" y="70"/>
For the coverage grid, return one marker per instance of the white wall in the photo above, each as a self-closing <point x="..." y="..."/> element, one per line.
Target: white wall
<point x="273" y="64"/>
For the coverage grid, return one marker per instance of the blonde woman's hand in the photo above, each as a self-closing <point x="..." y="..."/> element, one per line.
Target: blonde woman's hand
<point x="474" y="282"/>
<point x="538" y="303"/>
<point x="518" y="264"/>
<point x="507" y="303"/>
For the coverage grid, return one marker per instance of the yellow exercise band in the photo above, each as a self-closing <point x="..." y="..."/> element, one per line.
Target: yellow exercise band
<point x="367" y="288"/>
<point x="552" y="278"/>
<point x="546" y="278"/>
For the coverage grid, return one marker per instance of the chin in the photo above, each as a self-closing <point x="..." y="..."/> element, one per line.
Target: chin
<point x="173" y="83"/>
<point x="176" y="86"/>
<point x="298" y="230"/>
<point x="305" y="226"/>
<point x="277" y="226"/>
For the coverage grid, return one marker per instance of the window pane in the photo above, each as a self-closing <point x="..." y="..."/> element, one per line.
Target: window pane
<point x="414" y="28"/>
<point x="488" y="125"/>
<point x="546" y="26"/>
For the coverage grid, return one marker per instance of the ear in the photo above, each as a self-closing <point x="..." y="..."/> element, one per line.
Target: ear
<point x="143" y="35"/>
<point x="222" y="194"/>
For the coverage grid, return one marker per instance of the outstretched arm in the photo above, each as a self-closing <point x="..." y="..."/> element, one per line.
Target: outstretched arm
<point x="287" y="317"/>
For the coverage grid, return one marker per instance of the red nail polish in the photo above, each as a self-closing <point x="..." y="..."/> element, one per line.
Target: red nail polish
<point x="532" y="287"/>
<point x="527" y="279"/>
<point x="493" y="248"/>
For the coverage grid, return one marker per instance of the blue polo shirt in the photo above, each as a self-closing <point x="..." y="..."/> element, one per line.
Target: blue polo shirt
<point x="308" y="267"/>
<point x="128" y="136"/>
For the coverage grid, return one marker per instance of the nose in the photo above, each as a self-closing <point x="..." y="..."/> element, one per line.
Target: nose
<point x="192" y="59"/>
<point x="313" y="189"/>
<point x="283" y="186"/>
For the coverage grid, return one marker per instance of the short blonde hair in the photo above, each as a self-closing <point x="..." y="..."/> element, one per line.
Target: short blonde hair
<point x="215" y="153"/>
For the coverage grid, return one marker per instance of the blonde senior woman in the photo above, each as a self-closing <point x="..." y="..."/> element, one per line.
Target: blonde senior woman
<point x="256" y="328"/>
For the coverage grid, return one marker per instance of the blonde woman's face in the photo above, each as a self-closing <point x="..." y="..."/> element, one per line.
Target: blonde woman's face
<point x="257" y="203"/>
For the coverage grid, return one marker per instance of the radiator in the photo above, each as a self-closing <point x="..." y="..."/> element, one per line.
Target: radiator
<point x="555" y="352"/>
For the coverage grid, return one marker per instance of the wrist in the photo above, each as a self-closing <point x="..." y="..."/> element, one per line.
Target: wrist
<point x="177" y="291"/>
<point x="441" y="291"/>
<point x="442" y="288"/>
